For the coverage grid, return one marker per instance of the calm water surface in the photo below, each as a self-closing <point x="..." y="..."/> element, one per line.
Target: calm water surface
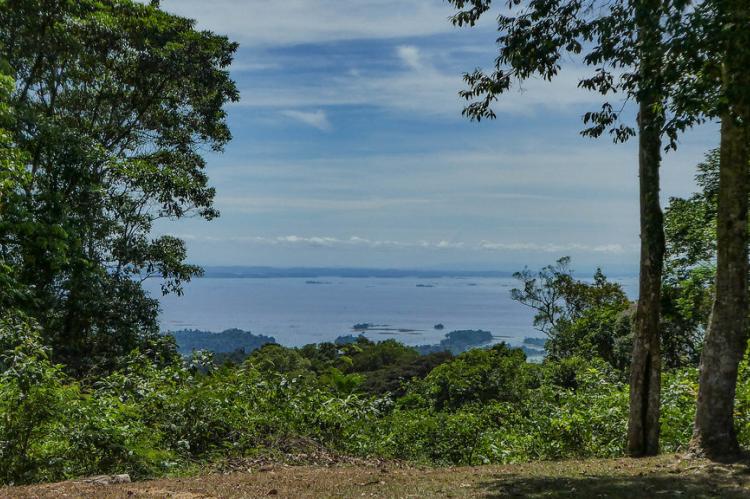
<point x="297" y="312"/>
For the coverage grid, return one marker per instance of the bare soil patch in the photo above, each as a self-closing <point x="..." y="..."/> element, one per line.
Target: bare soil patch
<point x="661" y="477"/>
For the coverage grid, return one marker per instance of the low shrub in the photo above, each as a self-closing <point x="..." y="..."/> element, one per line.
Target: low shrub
<point x="152" y="417"/>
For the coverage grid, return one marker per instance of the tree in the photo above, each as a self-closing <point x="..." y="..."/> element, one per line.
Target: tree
<point x="711" y="53"/>
<point x="690" y="269"/>
<point x="625" y="42"/>
<point x="12" y="179"/>
<point x="726" y="24"/>
<point x="11" y="169"/>
<point x="115" y="103"/>
<point x="645" y="367"/>
<point x="479" y="376"/>
<point x="581" y="319"/>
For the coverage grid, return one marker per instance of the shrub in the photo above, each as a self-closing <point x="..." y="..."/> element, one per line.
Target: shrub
<point x="156" y="415"/>
<point x="478" y="376"/>
<point x="32" y="398"/>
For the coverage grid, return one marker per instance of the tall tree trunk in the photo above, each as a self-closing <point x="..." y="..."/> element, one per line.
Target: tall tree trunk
<point x="714" y="434"/>
<point x="645" y="368"/>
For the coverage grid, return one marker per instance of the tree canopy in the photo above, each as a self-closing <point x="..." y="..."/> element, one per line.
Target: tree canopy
<point x="115" y="103"/>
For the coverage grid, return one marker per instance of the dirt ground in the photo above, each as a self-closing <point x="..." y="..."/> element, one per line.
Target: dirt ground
<point x="664" y="476"/>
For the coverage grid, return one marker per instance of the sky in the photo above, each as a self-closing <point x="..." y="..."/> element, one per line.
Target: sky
<point x="350" y="149"/>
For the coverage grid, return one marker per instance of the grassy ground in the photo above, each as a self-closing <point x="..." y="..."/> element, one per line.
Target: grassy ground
<point x="664" y="476"/>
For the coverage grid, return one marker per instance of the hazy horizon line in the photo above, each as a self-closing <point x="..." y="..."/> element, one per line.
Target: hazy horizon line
<point x="311" y="271"/>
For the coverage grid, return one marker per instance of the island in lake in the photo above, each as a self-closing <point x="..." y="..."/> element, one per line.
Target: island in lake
<point x="235" y="345"/>
<point x="457" y="342"/>
<point x="227" y="341"/>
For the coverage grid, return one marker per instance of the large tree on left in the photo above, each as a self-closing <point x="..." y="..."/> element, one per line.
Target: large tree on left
<point x="12" y="177"/>
<point x="115" y="102"/>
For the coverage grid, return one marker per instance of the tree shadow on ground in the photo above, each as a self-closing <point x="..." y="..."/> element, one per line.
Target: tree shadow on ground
<point x="683" y="485"/>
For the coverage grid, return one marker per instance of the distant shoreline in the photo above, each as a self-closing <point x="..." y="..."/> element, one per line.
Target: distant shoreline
<point x="240" y="342"/>
<point x="230" y="272"/>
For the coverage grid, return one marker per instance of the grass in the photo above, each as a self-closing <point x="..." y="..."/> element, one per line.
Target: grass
<point x="663" y="476"/>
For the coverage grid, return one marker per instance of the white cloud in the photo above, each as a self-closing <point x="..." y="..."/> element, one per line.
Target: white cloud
<point x="420" y="86"/>
<point x="251" y="66"/>
<point x="449" y="245"/>
<point x="410" y="55"/>
<point x="356" y="241"/>
<point x="316" y="119"/>
<point x="259" y="204"/>
<point x="262" y="23"/>
<point x="553" y="248"/>
<point x="490" y="174"/>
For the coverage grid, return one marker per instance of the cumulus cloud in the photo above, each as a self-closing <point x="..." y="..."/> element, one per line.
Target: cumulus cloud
<point x="316" y="119"/>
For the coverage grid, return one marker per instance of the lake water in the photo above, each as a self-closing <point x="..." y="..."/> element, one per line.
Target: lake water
<point x="297" y="312"/>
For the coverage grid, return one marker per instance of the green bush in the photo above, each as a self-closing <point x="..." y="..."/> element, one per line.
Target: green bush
<point x="742" y="401"/>
<point x="424" y="435"/>
<point x="678" y="396"/>
<point x="155" y="416"/>
<point x="52" y="429"/>
<point x="478" y="376"/>
<point x="32" y="398"/>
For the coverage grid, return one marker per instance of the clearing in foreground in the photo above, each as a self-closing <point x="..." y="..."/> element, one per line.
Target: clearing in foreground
<point x="664" y="476"/>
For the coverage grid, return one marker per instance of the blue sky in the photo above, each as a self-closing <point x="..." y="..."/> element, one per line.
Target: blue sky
<point x="350" y="149"/>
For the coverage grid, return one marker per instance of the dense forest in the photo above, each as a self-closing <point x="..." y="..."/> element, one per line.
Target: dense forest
<point x="107" y="109"/>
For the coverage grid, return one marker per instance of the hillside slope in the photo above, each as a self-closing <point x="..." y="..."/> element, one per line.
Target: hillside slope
<point x="664" y="476"/>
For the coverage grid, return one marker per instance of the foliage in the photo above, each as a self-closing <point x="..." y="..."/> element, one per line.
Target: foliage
<point x="152" y="417"/>
<point x="603" y="332"/>
<point x="579" y="318"/>
<point x="31" y="399"/>
<point x="557" y="296"/>
<point x="742" y="400"/>
<point x="275" y="358"/>
<point x="628" y="45"/>
<point x="690" y="271"/>
<point x="103" y="125"/>
<point x="12" y="180"/>
<point x="394" y="379"/>
<point x="51" y="429"/>
<point x="479" y="376"/>
<point x="114" y="104"/>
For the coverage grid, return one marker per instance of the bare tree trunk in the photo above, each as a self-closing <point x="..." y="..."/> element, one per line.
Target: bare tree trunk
<point x="645" y="368"/>
<point x="714" y="435"/>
